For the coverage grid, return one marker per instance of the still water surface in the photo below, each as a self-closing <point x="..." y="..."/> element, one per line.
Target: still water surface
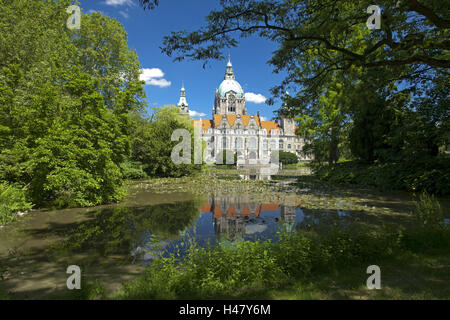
<point x="114" y="243"/>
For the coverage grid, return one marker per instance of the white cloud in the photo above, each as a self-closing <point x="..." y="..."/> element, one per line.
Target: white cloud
<point x="118" y="2"/>
<point x="162" y="83"/>
<point x="193" y="113"/>
<point x="152" y="77"/>
<point x="147" y="74"/>
<point x="263" y="118"/>
<point x="124" y="14"/>
<point x="255" y="97"/>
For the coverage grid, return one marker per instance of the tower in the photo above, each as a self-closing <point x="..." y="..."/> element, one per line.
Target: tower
<point x="229" y="73"/>
<point x="229" y="97"/>
<point x="287" y="124"/>
<point x="182" y="104"/>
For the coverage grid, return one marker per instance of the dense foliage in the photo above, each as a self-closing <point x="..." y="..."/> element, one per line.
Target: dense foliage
<point x="287" y="157"/>
<point x="12" y="200"/>
<point x="432" y="176"/>
<point x="65" y="100"/>
<point x="152" y="143"/>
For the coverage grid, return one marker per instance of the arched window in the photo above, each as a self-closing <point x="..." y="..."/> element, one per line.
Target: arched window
<point x="238" y="143"/>
<point x="281" y="144"/>
<point x="273" y="145"/>
<point x="224" y="143"/>
<point x="231" y="103"/>
<point x="265" y="146"/>
<point x="252" y="143"/>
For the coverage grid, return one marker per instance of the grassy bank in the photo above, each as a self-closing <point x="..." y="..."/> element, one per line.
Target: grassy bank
<point x="432" y="176"/>
<point x="327" y="262"/>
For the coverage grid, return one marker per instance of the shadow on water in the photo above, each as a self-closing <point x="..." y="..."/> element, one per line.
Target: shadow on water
<point x="112" y="244"/>
<point x="35" y="253"/>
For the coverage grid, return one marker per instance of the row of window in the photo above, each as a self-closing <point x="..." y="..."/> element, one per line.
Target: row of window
<point x="250" y="132"/>
<point x="238" y="144"/>
<point x="296" y="139"/>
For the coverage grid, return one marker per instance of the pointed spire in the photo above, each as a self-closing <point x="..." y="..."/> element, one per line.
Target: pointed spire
<point x="182" y="103"/>
<point x="229" y="74"/>
<point x="229" y="60"/>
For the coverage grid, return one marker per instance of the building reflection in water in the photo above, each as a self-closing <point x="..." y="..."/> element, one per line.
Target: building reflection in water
<point x="236" y="216"/>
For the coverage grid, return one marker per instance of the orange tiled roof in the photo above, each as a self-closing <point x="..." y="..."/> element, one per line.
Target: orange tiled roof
<point x="269" y="207"/>
<point x="246" y="211"/>
<point x="266" y="207"/>
<point x="217" y="212"/>
<point x="269" y="125"/>
<point x="246" y="119"/>
<point x="231" y="211"/>
<point x="205" y="208"/>
<point x="231" y="118"/>
<point x="217" y="119"/>
<point x="206" y="124"/>
<point x="258" y="210"/>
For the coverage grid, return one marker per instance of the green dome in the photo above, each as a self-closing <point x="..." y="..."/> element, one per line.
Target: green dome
<point x="230" y="85"/>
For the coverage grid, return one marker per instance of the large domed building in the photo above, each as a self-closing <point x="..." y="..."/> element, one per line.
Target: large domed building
<point x="231" y="128"/>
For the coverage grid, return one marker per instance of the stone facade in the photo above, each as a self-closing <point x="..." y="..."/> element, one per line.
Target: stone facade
<point x="231" y="128"/>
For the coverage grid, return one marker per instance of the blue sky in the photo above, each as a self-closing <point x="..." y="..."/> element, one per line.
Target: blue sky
<point x="146" y="30"/>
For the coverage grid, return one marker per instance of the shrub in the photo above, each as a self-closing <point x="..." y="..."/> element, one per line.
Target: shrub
<point x="12" y="199"/>
<point x="133" y="170"/>
<point x="287" y="158"/>
<point x="239" y="269"/>
<point x="153" y="146"/>
<point x="432" y="176"/>
<point x="428" y="212"/>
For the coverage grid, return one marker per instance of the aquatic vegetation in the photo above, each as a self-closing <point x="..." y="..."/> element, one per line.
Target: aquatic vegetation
<point x="246" y="268"/>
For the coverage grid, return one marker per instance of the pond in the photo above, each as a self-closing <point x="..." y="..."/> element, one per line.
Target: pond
<point x="114" y="243"/>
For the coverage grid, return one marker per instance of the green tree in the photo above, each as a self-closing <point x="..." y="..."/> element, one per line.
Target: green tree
<point x="152" y="145"/>
<point x="321" y="42"/>
<point x="64" y="122"/>
<point x="324" y="124"/>
<point x="287" y="157"/>
<point x="323" y="36"/>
